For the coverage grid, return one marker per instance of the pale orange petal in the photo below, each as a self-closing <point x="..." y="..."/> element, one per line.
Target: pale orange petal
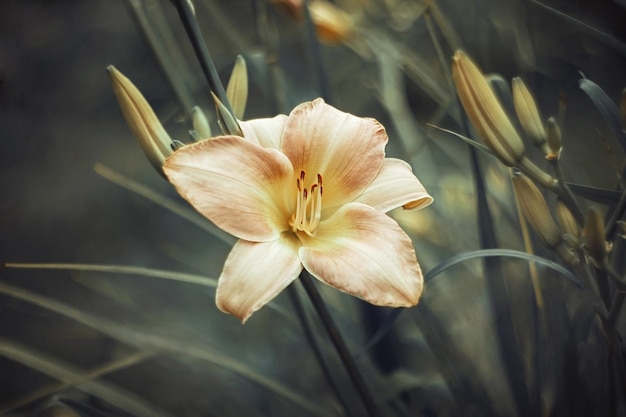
<point x="255" y="273"/>
<point x="346" y="150"/>
<point x="395" y="186"/>
<point x="264" y="132"/>
<point x="238" y="185"/>
<point x="365" y="253"/>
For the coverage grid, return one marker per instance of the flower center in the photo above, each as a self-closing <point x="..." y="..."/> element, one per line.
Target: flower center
<point x="306" y="218"/>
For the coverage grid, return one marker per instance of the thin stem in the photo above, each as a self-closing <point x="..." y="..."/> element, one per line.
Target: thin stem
<point x="616" y="307"/>
<point x="159" y="36"/>
<point x="269" y="40"/>
<point x="565" y="193"/>
<point x="317" y="54"/>
<point x="446" y="28"/>
<point x="585" y="272"/>
<point x="308" y="332"/>
<point x="618" y="212"/>
<point x="433" y="36"/>
<point x="340" y="345"/>
<point x="611" y="375"/>
<point x="618" y="298"/>
<point x="614" y="359"/>
<point x="187" y="16"/>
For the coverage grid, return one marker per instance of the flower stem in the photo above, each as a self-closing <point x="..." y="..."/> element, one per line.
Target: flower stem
<point x="308" y="332"/>
<point x="617" y="214"/>
<point x="340" y="345"/>
<point x="566" y="194"/>
<point x="618" y="299"/>
<point x="316" y="52"/>
<point x="187" y="16"/>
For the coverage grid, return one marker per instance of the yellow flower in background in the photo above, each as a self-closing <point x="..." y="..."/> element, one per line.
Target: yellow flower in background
<point x="332" y="24"/>
<point x="309" y="190"/>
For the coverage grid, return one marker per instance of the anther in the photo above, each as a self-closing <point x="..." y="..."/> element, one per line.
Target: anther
<point x="308" y="210"/>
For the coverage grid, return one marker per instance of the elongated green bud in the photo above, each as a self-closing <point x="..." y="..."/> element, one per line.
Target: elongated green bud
<point x="485" y="112"/>
<point x="536" y="212"/>
<point x="237" y="89"/>
<point x="594" y="236"/>
<point x="554" y="139"/>
<point x="566" y="220"/>
<point x="200" y="123"/>
<point x="528" y="114"/>
<point x="146" y="127"/>
<point x="225" y="118"/>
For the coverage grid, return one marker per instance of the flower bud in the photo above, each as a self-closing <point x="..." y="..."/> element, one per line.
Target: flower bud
<point x="485" y="112"/>
<point x="332" y="24"/>
<point x="566" y="220"/>
<point x="146" y="127"/>
<point x="225" y="118"/>
<point x="237" y="89"/>
<point x="200" y="123"/>
<point x="594" y="236"/>
<point x="537" y="214"/>
<point x="528" y="114"/>
<point x="535" y="210"/>
<point x="554" y="139"/>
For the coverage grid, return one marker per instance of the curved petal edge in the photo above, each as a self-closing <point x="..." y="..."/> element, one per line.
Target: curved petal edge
<point x="365" y="253"/>
<point x="255" y="273"/>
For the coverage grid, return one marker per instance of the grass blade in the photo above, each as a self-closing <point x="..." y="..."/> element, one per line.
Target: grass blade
<point x="54" y="368"/>
<point x="121" y="269"/>
<point x="606" y="107"/>
<point x="92" y="374"/>
<point x="136" y="337"/>
<point x="463" y="257"/>
<point x="140" y="271"/>
<point x="597" y="195"/>
<point x="164" y="202"/>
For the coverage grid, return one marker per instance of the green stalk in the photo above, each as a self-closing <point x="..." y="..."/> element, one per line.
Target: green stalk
<point x="340" y="345"/>
<point x="566" y="194"/>
<point x="187" y="16"/>
<point x="319" y="356"/>
<point x="316" y="52"/>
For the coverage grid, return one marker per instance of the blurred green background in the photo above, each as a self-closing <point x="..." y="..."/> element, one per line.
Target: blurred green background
<point x="59" y="118"/>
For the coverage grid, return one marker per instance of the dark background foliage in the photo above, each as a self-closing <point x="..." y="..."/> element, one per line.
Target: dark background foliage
<point x="59" y="117"/>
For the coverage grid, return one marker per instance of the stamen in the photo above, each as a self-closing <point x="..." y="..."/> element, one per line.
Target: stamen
<point x="308" y="212"/>
<point x="319" y="181"/>
<point x="296" y="218"/>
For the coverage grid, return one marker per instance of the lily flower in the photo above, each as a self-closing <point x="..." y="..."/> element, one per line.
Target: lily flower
<point x="309" y="190"/>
